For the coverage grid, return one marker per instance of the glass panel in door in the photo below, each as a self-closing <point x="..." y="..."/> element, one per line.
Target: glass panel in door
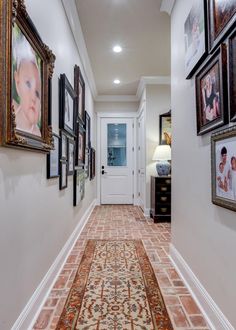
<point x="116" y="145"/>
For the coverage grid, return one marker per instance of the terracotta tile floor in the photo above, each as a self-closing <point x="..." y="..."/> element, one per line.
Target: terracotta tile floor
<point x="127" y="222"/>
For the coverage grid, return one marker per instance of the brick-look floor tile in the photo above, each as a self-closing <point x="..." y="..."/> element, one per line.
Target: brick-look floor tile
<point x="189" y="305"/>
<point x="127" y="222"/>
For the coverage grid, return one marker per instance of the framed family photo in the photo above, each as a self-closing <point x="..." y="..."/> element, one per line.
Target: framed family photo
<point x="53" y="159"/>
<point x="165" y="128"/>
<point x="24" y="105"/>
<point x="232" y="75"/>
<point x="71" y="156"/>
<point x="221" y="20"/>
<point x="79" y="86"/>
<point x="195" y="35"/>
<point x="223" y="164"/>
<point x="211" y="92"/>
<point x="67" y="118"/>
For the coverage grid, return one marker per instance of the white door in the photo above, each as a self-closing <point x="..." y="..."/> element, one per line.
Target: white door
<point x="141" y="160"/>
<point x="117" y="161"/>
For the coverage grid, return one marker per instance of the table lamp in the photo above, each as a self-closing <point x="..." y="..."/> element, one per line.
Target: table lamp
<point x="162" y="154"/>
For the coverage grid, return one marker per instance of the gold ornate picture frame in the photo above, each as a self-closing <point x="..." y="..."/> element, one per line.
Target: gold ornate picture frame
<point x="26" y="69"/>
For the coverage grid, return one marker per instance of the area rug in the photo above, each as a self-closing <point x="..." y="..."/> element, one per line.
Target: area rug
<point x="115" y="288"/>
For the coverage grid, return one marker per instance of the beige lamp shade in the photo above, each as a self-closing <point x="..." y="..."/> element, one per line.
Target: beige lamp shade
<point x="162" y="152"/>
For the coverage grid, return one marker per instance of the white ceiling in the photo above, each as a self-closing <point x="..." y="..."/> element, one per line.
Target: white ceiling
<point x="139" y="27"/>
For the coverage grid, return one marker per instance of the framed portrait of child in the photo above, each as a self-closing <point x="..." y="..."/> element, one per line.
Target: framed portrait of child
<point x="25" y="98"/>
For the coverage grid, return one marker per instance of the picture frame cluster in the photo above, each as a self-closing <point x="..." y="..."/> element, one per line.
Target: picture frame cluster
<point x="26" y="104"/>
<point x="210" y="55"/>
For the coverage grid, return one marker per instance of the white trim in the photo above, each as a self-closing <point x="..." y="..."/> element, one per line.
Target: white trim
<point x="146" y="213"/>
<point x="151" y="80"/>
<point x="116" y="98"/>
<point x="30" y="313"/>
<point x="212" y="313"/>
<point x="74" y="22"/>
<point x="167" y="6"/>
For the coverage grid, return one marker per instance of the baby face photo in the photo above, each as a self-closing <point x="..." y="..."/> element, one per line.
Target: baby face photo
<point x="26" y="84"/>
<point x="210" y="96"/>
<point x="223" y="12"/>
<point x="226" y="169"/>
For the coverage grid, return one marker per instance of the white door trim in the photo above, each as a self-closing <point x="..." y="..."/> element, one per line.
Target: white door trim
<point x="101" y="115"/>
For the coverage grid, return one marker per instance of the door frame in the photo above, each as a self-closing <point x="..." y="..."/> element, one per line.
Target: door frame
<point x="100" y="116"/>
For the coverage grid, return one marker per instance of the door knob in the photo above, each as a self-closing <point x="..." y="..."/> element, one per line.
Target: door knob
<point x="103" y="172"/>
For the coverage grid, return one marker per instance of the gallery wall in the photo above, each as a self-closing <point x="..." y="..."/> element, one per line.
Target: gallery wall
<point x="203" y="233"/>
<point x="157" y="102"/>
<point x="36" y="217"/>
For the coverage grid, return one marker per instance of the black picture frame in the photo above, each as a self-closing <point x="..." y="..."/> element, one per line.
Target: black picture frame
<point x="232" y="75"/>
<point x="78" y="186"/>
<point x="222" y="18"/>
<point x="196" y="37"/>
<point x="87" y="129"/>
<point x="80" y="146"/>
<point x="165" y="128"/>
<point x="63" y="179"/>
<point x="53" y="158"/>
<point x="67" y="106"/>
<point x="87" y="163"/>
<point x="71" y="155"/>
<point x="223" y="168"/>
<point x="79" y="87"/>
<point x="63" y="145"/>
<point x="212" y="110"/>
<point x="92" y="171"/>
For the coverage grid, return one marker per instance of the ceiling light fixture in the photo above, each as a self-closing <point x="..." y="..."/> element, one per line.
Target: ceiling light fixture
<point x="116" y="81"/>
<point x="117" y="49"/>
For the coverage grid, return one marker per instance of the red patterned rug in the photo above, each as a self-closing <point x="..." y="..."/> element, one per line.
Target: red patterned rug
<point x="115" y="288"/>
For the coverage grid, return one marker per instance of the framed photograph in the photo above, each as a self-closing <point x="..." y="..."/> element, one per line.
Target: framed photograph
<point x="211" y="93"/>
<point x="195" y="35"/>
<point x="53" y="159"/>
<point x="222" y="16"/>
<point x="79" y="86"/>
<point x="87" y="130"/>
<point x="63" y="175"/>
<point x="232" y="75"/>
<point x="80" y="146"/>
<point x="71" y="156"/>
<point x="24" y="103"/>
<point x="165" y="128"/>
<point x="79" y="187"/>
<point x="223" y="160"/>
<point x="87" y="163"/>
<point x="92" y="163"/>
<point x="63" y="146"/>
<point x="67" y="118"/>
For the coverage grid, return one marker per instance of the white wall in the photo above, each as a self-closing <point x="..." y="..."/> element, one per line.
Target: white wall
<point x="203" y="233"/>
<point x="36" y="218"/>
<point x="157" y="102"/>
<point x="115" y="107"/>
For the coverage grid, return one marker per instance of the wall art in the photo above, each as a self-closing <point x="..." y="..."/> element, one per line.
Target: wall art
<point x="63" y="146"/>
<point x="92" y="163"/>
<point x="79" y="86"/>
<point x="195" y="35"/>
<point x="26" y="83"/>
<point x="223" y="161"/>
<point x="53" y="159"/>
<point x="71" y="156"/>
<point x="211" y="92"/>
<point x="79" y="186"/>
<point x="63" y="174"/>
<point x="232" y="75"/>
<point x="222" y="16"/>
<point x="165" y="128"/>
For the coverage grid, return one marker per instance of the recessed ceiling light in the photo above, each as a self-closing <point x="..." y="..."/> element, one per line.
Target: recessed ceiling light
<point x="116" y="81"/>
<point x="117" y="49"/>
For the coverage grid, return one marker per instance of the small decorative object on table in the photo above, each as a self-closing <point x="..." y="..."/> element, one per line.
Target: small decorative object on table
<point x="162" y="154"/>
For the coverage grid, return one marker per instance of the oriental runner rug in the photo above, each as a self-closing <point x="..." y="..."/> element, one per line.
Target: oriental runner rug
<point x="115" y="288"/>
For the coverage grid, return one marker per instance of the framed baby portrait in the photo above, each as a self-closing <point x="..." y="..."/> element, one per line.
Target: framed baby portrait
<point x="211" y="93"/>
<point x="71" y="156"/>
<point x="223" y="165"/>
<point x="26" y="84"/>
<point x="79" y="86"/>
<point x="232" y="75"/>
<point x="67" y="120"/>
<point x="222" y="16"/>
<point x="195" y="37"/>
<point x="53" y="159"/>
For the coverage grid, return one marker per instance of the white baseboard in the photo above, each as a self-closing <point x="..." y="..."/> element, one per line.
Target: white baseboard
<point x="212" y="313"/>
<point x="30" y="313"/>
<point x="146" y="213"/>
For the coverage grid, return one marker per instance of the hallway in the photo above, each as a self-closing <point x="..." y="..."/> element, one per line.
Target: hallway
<point x="127" y="222"/>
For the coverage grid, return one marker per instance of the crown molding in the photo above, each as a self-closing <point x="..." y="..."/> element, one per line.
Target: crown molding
<point x="167" y="6"/>
<point x="116" y="98"/>
<point x="152" y="80"/>
<point x="74" y="22"/>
